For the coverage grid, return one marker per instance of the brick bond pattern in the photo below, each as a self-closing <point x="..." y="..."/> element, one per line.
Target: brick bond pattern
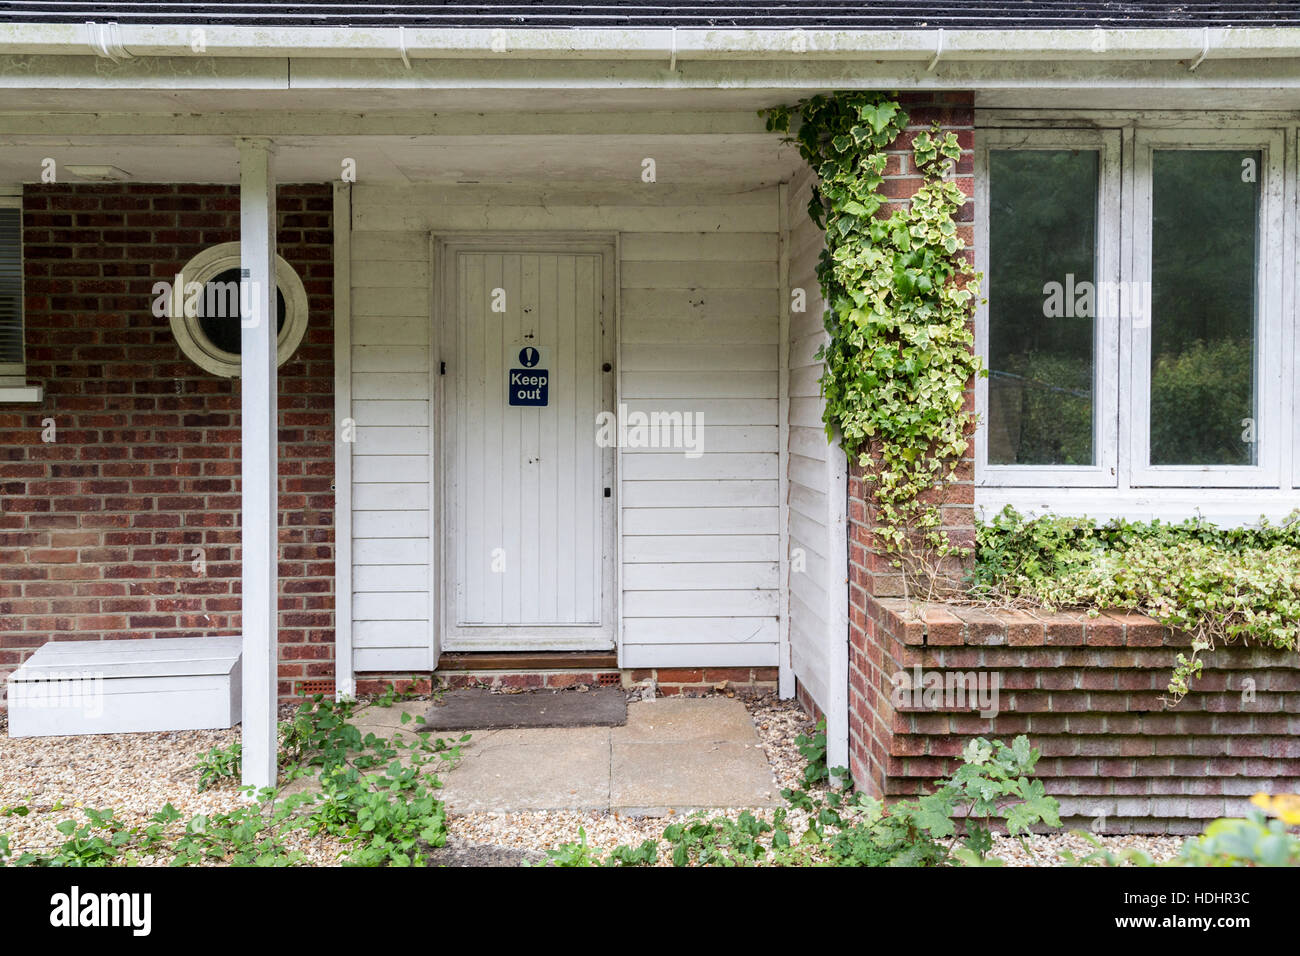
<point x="98" y="528"/>
<point x="1088" y="693"/>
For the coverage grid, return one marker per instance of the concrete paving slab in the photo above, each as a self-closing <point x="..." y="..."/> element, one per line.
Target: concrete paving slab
<point x="653" y="777"/>
<point x="673" y="753"/>
<point x="669" y="719"/>
<point x="477" y="709"/>
<point x="533" y="770"/>
<point x="382" y="720"/>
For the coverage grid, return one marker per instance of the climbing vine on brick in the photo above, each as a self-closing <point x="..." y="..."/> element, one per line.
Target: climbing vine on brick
<point x="899" y="298"/>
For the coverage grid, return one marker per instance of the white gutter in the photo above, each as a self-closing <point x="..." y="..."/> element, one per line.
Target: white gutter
<point x="669" y="45"/>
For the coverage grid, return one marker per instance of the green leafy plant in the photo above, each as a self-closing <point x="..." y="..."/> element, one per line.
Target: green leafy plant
<point x="580" y="853"/>
<point x="954" y="823"/>
<point x="97" y="842"/>
<point x="899" y="300"/>
<point x="252" y="835"/>
<point x="718" y="841"/>
<point x="1215" y="584"/>
<point x="813" y="750"/>
<point x="219" y="765"/>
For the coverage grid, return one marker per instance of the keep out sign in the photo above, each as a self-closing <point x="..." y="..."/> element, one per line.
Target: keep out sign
<point x="529" y="383"/>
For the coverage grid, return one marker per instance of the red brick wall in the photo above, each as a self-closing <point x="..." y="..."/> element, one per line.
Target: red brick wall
<point x="1088" y="693"/>
<point x="98" y="528"/>
<point x="703" y="681"/>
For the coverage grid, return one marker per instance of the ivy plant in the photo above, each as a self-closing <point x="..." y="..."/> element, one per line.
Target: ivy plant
<point x="1218" y="585"/>
<point x="899" y="299"/>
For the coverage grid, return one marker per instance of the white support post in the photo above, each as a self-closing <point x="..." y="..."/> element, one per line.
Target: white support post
<point x="260" y="461"/>
<point x="785" y="670"/>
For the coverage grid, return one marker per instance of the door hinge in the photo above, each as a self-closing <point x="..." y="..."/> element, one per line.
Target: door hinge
<point x="607" y="492"/>
<point x="442" y="368"/>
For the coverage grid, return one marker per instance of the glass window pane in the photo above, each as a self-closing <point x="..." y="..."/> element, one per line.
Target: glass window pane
<point x="1205" y="209"/>
<point x="1042" y="267"/>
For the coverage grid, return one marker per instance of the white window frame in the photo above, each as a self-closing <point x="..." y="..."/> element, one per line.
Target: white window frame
<point x="188" y="330"/>
<point x="1269" y="285"/>
<point x="1106" y="333"/>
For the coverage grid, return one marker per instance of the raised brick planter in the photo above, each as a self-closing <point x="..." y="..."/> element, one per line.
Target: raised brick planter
<point x="1088" y="693"/>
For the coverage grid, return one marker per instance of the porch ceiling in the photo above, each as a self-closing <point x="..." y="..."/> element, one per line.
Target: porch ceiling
<point x="735" y="159"/>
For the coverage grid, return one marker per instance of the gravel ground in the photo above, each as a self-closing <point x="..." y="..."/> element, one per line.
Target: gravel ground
<point x="138" y="773"/>
<point x="135" y="774"/>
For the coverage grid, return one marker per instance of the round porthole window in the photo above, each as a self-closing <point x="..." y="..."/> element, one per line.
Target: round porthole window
<point x="205" y="311"/>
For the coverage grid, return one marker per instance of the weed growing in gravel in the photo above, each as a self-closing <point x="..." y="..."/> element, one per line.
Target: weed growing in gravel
<point x="219" y="765"/>
<point x="385" y="810"/>
<point x="583" y="854"/>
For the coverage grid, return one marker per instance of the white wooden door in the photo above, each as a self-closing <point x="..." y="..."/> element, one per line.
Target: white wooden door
<point x="529" y="547"/>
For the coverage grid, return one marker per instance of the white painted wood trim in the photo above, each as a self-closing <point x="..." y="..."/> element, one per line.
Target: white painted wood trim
<point x="1075" y="119"/>
<point x="1226" y="507"/>
<point x="259" y="470"/>
<point x="616" y="309"/>
<point x="1290" y="463"/>
<point x="837" y="611"/>
<point x="437" y="402"/>
<point x="1128" y="181"/>
<point x="785" y="667"/>
<point x="345" y="685"/>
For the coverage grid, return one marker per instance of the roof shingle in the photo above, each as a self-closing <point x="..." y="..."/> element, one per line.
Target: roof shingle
<point x="753" y="14"/>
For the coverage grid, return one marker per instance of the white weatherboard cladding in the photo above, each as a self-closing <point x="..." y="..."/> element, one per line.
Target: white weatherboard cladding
<point x="698" y="332"/>
<point x="817" y="499"/>
<point x="525" y="504"/>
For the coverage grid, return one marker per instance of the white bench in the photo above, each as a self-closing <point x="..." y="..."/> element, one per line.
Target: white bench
<point x="113" y="687"/>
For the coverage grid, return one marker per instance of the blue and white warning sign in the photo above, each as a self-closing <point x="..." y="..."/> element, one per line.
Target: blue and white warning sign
<point x="529" y="383"/>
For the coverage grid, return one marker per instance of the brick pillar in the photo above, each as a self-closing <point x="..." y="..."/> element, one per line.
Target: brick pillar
<point x="871" y="574"/>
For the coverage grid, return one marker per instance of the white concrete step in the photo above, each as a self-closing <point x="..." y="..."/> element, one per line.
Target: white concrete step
<point x="112" y="687"/>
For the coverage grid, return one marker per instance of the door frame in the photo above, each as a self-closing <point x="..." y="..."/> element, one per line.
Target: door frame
<point x="444" y="248"/>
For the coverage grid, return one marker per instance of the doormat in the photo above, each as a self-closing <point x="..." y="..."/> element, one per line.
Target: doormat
<point x="478" y="709"/>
